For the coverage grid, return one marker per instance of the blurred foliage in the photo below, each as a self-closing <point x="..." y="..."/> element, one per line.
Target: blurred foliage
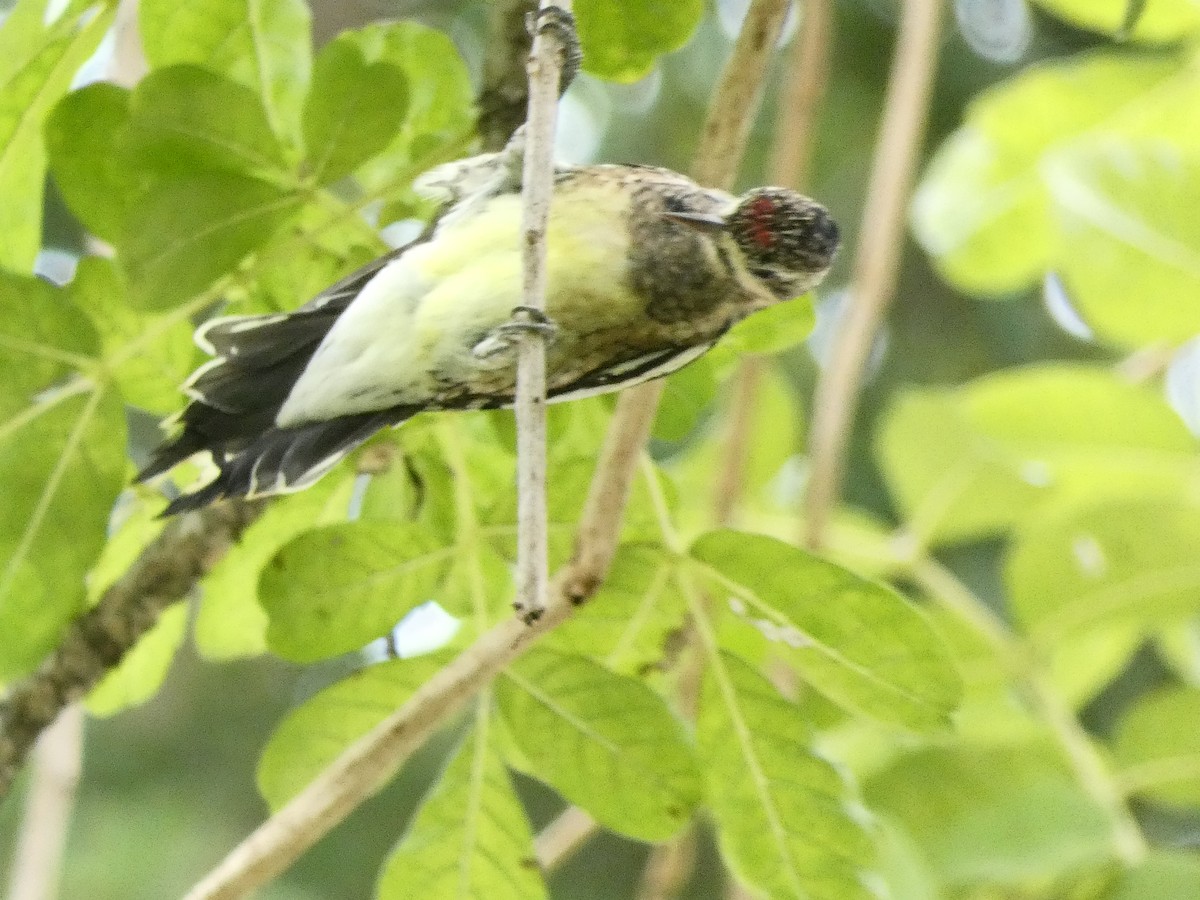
<point x="989" y="686"/>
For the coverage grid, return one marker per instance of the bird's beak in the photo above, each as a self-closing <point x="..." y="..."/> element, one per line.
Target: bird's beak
<point x="705" y="223"/>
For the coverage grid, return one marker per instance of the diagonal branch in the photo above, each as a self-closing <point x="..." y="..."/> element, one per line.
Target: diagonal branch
<point x="877" y="263"/>
<point x="165" y="572"/>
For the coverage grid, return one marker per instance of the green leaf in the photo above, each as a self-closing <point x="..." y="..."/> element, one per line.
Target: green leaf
<point x="1159" y="22"/>
<point x="185" y="117"/>
<point x="194" y="228"/>
<point x="264" y="44"/>
<point x="1158" y="746"/>
<point x="334" y="589"/>
<point x="1130" y="256"/>
<point x="772" y="330"/>
<point x="783" y="815"/>
<point x="1011" y="442"/>
<point x="82" y="136"/>
<point x="62" y="462"/>
<point x="470" y="838"/>
<point x="686" y="397"/>
<point x="319" y="730"/>
<point x="44" y="59"/>
<point x="606" y="742"/>
<point x="440" y="116"/>
<point x="149" y="378"/>
<point x="1124" y="560"/>
<point x="982" y="209"/>
<point x="1164" y="875"/>
<point x="857" y="641"/>
<point x="231" y="621"/>
<point x="1005" y="814"/>
<point x="623" y="41"/>
<point x="631" y="621"/>
<point x="353" y="111"/>
<point x="143" y="669"/>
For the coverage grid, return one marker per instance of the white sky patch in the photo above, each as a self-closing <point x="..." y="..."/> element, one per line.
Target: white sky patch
<point x="731" y="14"/>
<point x="1089" y="556"/>
<point x="1062" y="310"/>
<point x="1183" y="384"/>
<point x="583" y="115"/>
<point x="56" y="265"/>
<point x="425" y="629"/>
<point x="397" y="234"/>
<point x="1037" y="473"/>
<point x="831" y="309"/>
<point x="998" y="30"/>
<point x="53" y="11"/>
<point x="638" y="97"/>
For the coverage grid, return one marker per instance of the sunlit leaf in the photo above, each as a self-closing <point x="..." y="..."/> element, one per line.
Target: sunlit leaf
<point x="264" y="44"/>
<point x="142" y="670"/>
<point x="82" y="135"/>
<point x="62" y="462"/>
<point x="782" y="813"/>
<point x="231" y="621"/>
<point x="333" y="589"/>
<point x="194" y="228"/>
<point x="316" y="732"/>
<point x="38" y="71"/>
<point x="606" y="742"/>
<point x="1158" y="746"/>
<point x="1130" y="257"/>
<point x="470" y="840"/>
<point x="1125" y="560"/>
<point x="1004" y="814"/>
<point x="623" y="41"/>
<point x="855" y="640"/>
<point x="1164" y="874"/>
<point x="1158" y="21"/>
<point x="353" y="111"/>
<point x="983" y="210"/>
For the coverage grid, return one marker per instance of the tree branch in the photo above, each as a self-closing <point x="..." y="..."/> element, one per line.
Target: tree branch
<point x="372" y="760"/>
<point x="165" y="572"/>
<point x="876" y="265"/>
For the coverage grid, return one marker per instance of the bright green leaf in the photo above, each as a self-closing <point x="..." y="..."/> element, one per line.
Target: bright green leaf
<point x="334" y="589"/>
<point x="1164" y="875"/>
<point x="982" y="209"/>
<point x="470" y="840"/>
<point x="82" y="135"/>
<point x="440" y="115"/>
<point x="142" y="670"/>
<point x="630" y="622"/>
<point x="855" y="640"/>
<point x="1011" y="441"/>
<point x="1158" y="746"/>
<point x="231" y="622"/>
<point x="772" y="330"/>
<point x="192" y="229"/>
<point x="353" y="111"/>
<point x="1004" y="814"/>
<point x="686" y="396"/>
<point x="1159" y="21"/>
<point x="316" y="732"/>
<point x="185" y="117"/>
<point x="62" y="462"/>
<point x="623" y="41"/>
<point x="31" y="82"/>
<point x="783" y="815"/>
<point x="264" y="44"/>
<point x="606" y="742"/>
<point x="1130" y="256"/>
<point x="1129" y="560"/>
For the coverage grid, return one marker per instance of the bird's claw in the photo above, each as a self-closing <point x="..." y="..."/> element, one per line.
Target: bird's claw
<point x="559" y="22"/>
<point x="506" y="337"/>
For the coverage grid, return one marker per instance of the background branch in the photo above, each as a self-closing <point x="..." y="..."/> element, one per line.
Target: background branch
<point x="372" y="760"/>
<point x="504" y="94"/>
<point x="876" y="263"/>
<point x="165" y="572"/>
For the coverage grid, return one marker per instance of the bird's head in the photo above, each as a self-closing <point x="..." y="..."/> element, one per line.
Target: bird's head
<point x="786" y="240"/>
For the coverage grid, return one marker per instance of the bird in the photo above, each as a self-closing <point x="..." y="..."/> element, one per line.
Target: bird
<point x="645" y="271"/>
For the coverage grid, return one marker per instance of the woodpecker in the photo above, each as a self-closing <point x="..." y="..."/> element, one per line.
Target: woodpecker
<point x="645" y="271"/>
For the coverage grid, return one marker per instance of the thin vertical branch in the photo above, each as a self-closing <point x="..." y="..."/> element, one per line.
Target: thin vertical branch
<point x="804" y="87"/>
<point x="876" y="265"/>
<point x="545" y="69"/>
<point x="559" y="840"/>
<point x="56" y="766"/>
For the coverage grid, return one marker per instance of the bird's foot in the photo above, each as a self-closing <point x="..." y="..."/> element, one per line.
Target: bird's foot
<point x="506" y="338"/>
<point x="557" y="21"/>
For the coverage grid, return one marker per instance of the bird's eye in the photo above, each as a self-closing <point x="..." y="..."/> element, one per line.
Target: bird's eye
<point x="763" y="274"/>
